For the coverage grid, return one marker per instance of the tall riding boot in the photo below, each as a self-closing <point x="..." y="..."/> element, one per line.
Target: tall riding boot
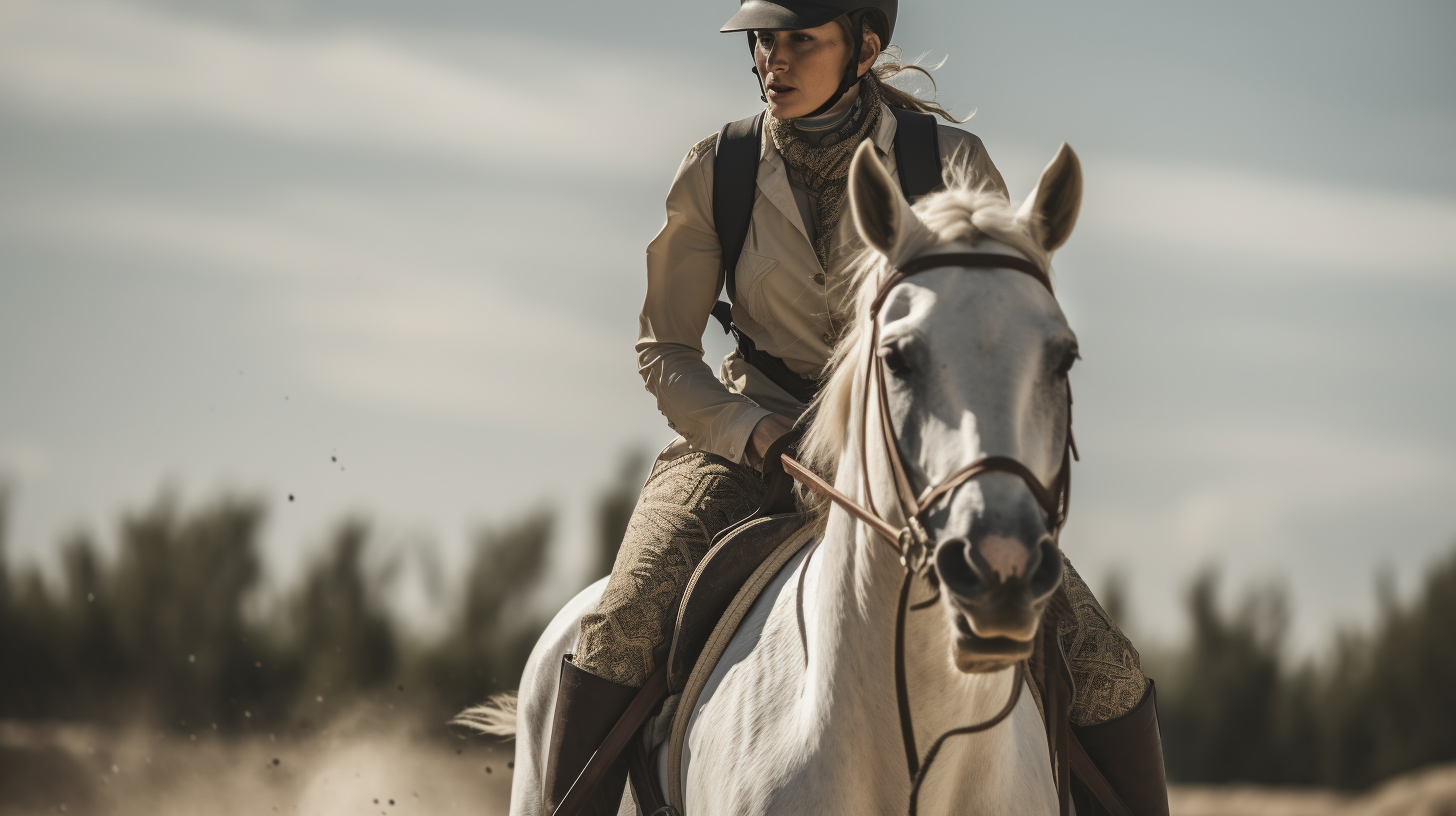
<point x="1129" y="752"/>
<point x="586" y="709"/>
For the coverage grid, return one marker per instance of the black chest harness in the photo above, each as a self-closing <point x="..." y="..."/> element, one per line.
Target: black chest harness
<point x="735" y="179"/>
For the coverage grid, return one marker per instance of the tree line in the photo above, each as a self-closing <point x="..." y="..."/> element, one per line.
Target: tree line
<point x="1234" y="707"/>
<point x="176" y="630"/>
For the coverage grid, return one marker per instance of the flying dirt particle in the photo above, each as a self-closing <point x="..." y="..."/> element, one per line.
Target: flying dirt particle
<point x="488" y="770"/>
<point x="290" y="497"/>
<point x="247" y="715"/>
<point x="510" y="764"/>
<point x="376" y="801"/>
<point x="457" y="752"/>
<point x="115" y="769"/>
<point x="191" y="658"/>
<point x="276" y="761"/>
<point x="214" y="726"/>
<point x="90" y="597"/>
<point x="400" y="687"/>
<point x="63" y="807"/>
<point x="320" y="698"/>
<point x="258" y="664"/>
<point x="193" y="737"/>
<point x="334" y="459"/>
<point x="391" y="803"/>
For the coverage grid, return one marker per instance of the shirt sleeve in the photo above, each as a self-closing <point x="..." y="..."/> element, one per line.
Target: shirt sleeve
<point x="682" y="286"/>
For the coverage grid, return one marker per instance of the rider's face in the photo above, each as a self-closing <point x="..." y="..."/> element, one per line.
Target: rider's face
<point x="802" y="69"/>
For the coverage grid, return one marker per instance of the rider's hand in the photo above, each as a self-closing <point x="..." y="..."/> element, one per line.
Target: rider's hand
<point x="765" y="433"/>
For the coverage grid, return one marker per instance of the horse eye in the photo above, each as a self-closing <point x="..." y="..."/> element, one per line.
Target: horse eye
<point x="1069" y="358"/>
<point x="895" y="360"/>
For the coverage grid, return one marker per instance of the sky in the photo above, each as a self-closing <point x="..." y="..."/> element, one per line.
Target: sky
<point x="387" y="258"/>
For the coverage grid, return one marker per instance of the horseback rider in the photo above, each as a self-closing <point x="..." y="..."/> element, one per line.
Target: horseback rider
<point x="822" y="69"/>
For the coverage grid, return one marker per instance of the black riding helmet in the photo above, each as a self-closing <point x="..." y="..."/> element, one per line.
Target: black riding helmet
<point x="791" y="15"/>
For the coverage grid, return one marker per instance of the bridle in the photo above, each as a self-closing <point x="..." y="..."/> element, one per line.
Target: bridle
<point x="911" y="543"/>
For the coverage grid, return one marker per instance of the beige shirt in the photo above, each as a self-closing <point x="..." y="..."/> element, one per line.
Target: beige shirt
<point x="789" y="306"/>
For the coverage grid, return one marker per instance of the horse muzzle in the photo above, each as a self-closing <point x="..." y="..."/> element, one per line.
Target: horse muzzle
<point x="995" y="588"/>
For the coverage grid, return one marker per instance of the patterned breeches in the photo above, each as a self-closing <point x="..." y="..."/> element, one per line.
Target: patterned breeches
<point x="692" y="498"/>
<point x="685" y="502"/>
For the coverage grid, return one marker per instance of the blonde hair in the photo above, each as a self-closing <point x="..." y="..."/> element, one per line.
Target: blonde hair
<point x="888" y="66"/>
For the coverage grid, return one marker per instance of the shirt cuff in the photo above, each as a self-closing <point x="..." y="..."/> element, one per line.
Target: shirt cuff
<point x="734" y="439"/>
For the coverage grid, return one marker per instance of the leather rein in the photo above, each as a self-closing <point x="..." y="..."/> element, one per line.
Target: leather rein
<point x="911" y="543"/>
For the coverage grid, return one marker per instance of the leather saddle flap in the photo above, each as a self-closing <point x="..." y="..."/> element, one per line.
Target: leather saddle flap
<point x="716" y="581"/>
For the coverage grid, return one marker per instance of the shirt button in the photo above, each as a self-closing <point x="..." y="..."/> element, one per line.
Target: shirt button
<point x="819" y="278"/>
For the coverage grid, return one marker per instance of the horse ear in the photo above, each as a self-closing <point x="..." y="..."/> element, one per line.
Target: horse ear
<point x="881" y="213"/>
<point x="1051" y="209"/>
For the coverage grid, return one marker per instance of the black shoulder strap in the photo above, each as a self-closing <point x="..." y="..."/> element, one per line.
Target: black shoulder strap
<point x="917" y="153"/>
<point x="735" y="179"/>
<point x="735" y="176"/>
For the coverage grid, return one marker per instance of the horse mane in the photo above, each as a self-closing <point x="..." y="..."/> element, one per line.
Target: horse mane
<point x="964" y="212"/>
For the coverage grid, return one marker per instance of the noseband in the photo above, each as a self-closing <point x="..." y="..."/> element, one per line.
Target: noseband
<point x="911" y="543"/>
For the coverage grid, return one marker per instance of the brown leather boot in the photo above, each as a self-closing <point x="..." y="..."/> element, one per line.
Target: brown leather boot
<point x="586" y="709"/>
<point x="1129" y="752"/>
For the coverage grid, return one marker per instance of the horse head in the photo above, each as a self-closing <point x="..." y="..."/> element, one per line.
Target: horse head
<point x="970" y="366"/>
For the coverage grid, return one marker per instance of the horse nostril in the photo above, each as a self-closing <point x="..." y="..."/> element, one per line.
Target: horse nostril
<point x="953" y="564"/>
<point x="1048" y="574"/>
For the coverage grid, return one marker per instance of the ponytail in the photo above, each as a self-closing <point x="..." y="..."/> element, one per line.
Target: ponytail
<point x="889" y="66"/>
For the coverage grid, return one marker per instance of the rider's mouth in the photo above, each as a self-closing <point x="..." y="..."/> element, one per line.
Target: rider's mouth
<point x="975" y="654"/>
<point x="778" y="89"/>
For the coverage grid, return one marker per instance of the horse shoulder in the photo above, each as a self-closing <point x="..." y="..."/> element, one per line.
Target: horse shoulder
<point x="750" y="721"/>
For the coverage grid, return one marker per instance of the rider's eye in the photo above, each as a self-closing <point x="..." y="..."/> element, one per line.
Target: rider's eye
<point x="895" y="360"/>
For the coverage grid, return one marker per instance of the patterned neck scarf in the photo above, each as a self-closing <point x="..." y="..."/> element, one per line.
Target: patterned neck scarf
<point x="823" y="169"/>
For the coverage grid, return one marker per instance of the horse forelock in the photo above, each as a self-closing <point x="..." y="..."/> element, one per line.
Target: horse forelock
<point x="962" y="213"/>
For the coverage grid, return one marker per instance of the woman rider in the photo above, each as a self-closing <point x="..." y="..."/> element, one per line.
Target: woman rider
<point x="825" y="96"/>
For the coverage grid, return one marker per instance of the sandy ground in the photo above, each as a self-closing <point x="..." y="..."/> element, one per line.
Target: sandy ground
<point x="360" y="765"/>
<point x="355" y="767"/>
<point x="1430" y="792"/>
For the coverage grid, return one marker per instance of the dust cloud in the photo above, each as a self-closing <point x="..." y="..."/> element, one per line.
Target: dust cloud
<point x="356" y="766"/>
<point x="360" y="765"/>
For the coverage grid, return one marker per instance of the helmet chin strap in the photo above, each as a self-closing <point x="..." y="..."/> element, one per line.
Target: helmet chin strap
<point x="850" y="79"/>
<point x="753" y="51"/>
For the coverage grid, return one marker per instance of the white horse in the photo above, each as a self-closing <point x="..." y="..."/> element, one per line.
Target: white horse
<point x="976" y="364"/>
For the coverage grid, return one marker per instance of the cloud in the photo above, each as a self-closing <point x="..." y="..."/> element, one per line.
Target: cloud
<point x="398" y="322"/>
<point x="23" y="459"/>
<point x="118" y="63"/>
<point x="1247" y="491"/>
<point x="1307" y="228"/>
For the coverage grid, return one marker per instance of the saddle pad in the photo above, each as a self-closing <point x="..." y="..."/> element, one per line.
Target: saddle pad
<point x="717" y="642"/>
<point x="714" y="583"/>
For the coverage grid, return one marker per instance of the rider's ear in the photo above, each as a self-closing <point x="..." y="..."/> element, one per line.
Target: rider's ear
<point x="1051" y="209"/>
<point x="881" y="213"/>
